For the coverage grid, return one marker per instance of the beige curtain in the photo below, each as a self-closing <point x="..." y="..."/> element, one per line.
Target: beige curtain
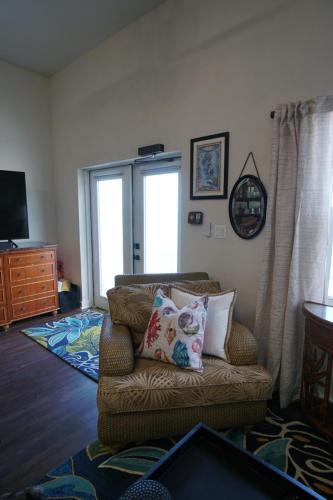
<point x="296" y="236"/>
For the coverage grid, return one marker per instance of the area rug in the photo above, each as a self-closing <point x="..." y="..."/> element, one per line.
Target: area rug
<point x="75" y="339"/>
<point x="99" y="473"/>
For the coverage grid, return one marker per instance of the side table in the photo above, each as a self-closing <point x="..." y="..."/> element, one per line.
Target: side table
<point x="317" y="366"/>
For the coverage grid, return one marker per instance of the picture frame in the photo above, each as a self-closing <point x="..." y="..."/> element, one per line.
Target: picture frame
<point x="209" y="167"/>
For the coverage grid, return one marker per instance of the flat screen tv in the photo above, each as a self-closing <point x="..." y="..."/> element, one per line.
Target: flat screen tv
<point x="13" y="206"/>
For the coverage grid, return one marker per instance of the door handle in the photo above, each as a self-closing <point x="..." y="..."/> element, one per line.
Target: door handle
<point x="136" y="246"/>
<point x="136" y="257"/>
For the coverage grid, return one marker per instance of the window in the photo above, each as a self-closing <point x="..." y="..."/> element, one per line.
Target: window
<point x="161" y="222"/>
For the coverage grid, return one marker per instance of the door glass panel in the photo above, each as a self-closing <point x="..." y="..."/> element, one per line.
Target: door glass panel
<point x="161" y="223"/>
<point x="110" y="230"/>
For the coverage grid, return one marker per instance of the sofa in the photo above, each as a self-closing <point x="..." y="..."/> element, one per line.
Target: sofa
<point x="140" y="399"/>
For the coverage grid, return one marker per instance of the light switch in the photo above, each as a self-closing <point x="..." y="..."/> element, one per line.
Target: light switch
<point x="208" y="230"/>
<point x="219" y="231"/>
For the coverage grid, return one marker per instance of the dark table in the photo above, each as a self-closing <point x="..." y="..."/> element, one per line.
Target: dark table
<point x="317" y="366"/>
<point x="206" y="465"/>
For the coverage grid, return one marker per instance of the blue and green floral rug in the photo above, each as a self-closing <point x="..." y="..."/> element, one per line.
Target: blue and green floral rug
<point x="75" y="339"/>
<point x="97" y="472"/>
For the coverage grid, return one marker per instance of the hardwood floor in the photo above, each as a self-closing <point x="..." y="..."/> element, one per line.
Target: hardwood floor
<point x="47" y="409"/>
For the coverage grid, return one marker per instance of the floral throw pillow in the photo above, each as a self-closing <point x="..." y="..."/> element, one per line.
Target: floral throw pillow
<point x="175" y="335"/>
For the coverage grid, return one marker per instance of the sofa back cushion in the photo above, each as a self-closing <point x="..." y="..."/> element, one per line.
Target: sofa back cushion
<point x="197" y="286"/>
<point x="132" y="305"/>
<point x="137" y="279"/>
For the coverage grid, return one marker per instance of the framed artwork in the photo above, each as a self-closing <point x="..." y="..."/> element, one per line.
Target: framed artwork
<point x="209" y="167"/>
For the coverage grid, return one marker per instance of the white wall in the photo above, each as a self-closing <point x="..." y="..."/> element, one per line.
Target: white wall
<point x="187" y="69"/>
<point x="25" y="143"/>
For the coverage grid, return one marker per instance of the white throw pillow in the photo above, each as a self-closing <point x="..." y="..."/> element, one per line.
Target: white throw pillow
<point x="219" y="319"/>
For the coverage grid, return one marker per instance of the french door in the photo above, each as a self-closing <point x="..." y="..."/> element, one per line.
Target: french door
<point x="111" y="223"/>
<point x="135" y="221"/>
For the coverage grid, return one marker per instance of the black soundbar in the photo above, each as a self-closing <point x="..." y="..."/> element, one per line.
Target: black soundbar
<point x="151" y="150"/>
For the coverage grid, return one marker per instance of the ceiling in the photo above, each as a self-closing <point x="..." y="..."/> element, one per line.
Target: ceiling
<point x="45" y="35"/>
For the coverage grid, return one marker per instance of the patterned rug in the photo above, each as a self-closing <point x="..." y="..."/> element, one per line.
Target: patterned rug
<point x="99" y="473"/>
<point x="75" y="339"/>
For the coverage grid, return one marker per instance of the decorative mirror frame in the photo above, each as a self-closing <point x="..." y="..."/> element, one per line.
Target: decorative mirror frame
<point x="264" y="193"/>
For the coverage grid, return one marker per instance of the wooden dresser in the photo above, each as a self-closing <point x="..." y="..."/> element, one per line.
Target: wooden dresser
<point x="28" y="282"/>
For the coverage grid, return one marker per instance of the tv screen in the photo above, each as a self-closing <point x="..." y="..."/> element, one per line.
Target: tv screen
<point x="13" y="206"/>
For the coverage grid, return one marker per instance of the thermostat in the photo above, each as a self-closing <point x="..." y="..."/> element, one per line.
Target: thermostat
<point x="195" y="218"/>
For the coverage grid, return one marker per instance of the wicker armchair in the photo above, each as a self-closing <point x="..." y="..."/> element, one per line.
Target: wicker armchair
<point x="141" y="399"/>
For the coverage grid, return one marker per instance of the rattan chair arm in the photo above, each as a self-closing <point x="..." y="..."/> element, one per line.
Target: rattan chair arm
<point x="242" y="345"/>
<point x="116" y="350"/>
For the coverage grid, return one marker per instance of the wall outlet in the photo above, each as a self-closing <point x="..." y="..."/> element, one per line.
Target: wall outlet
<point x="219" y="231"/>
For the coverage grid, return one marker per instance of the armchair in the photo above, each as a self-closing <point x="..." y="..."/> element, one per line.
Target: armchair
<point x="141" y="399"/>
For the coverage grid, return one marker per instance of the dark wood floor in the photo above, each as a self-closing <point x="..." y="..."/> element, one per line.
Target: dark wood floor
<point x="47" y="409"/>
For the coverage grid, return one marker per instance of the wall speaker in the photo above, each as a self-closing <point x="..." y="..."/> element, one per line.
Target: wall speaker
<point x="151" y="150"/>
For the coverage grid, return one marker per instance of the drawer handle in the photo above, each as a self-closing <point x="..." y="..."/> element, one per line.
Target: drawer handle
<point x="42" y="256"/>
<point x="43" y="270"/>
<point x="18" y="274"/>
<point x="19" y="292"/>
<point x="22" y="308"/>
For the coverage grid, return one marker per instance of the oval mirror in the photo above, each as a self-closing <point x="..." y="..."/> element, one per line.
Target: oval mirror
<point x="247" y="206"/>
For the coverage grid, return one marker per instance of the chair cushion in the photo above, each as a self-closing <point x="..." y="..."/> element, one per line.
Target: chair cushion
<point x="132" y="305"/>
<point x="198" y="286"/>
<point x="154" y="385"/>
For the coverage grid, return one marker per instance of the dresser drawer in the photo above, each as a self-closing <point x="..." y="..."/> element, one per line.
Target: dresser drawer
<point x="3" y="315"/>
<point x="30" y="259"/>
<point x="34" y="306"/>
<point x="2" y="296"/>
<point x="19" y="292"/>
<point x="22" y="273"/>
